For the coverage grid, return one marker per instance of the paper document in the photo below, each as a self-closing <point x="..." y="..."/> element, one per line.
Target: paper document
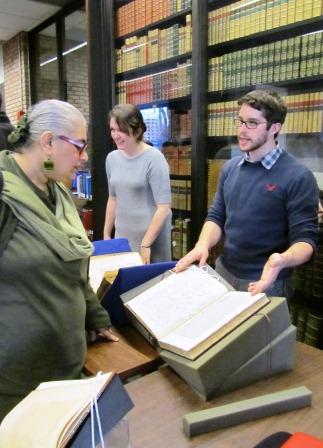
<point x="176" y="299"/>
<point x="190" y="311"/>
<point x="100" y="264"/>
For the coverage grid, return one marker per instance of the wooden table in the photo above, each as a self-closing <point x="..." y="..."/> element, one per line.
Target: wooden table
<point x="131" y="355"/>
<point x="162" y="398"/>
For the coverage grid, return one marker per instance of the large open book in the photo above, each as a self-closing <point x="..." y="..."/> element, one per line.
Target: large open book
<point x="104" y="268"/>
<point x="189" y="312"/>
<point x="55" y="413"/>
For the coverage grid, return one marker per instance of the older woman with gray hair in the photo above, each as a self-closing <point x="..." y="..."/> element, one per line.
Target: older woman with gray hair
<point x="46" y="302"/>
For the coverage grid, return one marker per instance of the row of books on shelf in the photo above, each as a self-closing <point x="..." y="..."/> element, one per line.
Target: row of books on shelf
<point x="169" y="84"/>
<point x="244" y="18"/>
<point x="305" y="115"/>
<point x="181" y="234"/>
<point x="140" y="13"/>
<point x="82" y="185"/>
<point x="180" y="124"/>
<point x="156" y="45"/>
<point x="297" y="57"/>
<point x="307" y="316"/>
<point x="181" y="194"/>
<point x="178" y="158"/>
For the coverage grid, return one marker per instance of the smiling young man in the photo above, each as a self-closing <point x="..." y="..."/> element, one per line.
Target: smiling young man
<point x="265" y="207"/>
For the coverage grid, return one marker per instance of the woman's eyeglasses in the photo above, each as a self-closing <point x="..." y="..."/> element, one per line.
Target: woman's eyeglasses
<point x="80" y="145"/>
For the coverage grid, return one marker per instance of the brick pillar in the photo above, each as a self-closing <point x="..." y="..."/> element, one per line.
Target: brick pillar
<point x="16" y="75"/>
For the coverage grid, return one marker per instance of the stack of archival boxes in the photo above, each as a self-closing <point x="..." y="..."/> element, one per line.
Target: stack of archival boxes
<point x="260" y="347"/>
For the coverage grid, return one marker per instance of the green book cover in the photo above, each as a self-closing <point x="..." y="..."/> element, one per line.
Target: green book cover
<point x="285" y="45"/>
<point x="277" y="56"/>
<point x="271" y="58"/>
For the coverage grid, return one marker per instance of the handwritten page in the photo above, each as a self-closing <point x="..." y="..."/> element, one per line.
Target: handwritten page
<point x="176" y="299"/>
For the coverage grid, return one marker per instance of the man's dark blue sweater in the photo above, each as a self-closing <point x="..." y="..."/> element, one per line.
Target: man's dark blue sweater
<point x="263" y="211"/>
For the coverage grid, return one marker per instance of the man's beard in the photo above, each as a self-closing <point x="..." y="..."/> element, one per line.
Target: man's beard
<point x="256" y="144"/>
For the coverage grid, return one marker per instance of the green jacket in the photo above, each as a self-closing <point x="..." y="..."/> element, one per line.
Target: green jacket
<point x="46" y="302"/>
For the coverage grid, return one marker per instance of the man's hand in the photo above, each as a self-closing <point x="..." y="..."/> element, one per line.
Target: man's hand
<point x="276" y="262"/>
<point x="104" y="333"/>
<point x="200" y="253"/>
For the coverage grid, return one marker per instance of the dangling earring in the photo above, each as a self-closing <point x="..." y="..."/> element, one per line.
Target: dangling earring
<point x="48" y="165"/>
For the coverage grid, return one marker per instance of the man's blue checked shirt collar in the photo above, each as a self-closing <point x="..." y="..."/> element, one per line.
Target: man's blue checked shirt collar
<point x="267" y="161"/>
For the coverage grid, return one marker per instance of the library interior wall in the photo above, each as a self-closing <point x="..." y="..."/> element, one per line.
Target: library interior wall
<point x="77" y="80"/>
<point x="16" y="76"/>
<point x="76" y="74"/>
<point x="47" y="74"/>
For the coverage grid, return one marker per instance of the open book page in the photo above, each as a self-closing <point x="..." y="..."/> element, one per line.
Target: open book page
<point x="210" y="320"/>
<point x="100" y="264"/>
<point x="175" y="299"/>
<point x="49" y="416"/>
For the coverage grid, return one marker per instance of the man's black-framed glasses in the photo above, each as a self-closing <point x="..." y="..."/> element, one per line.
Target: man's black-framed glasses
<point x="80" y="145"/>
<point x="250" y="124"/>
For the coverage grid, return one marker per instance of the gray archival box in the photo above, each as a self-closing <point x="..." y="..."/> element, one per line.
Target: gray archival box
<point x="258" y="348"/>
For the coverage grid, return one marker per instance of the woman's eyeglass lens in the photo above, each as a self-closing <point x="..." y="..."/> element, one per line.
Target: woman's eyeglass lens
<point x="80" y="145"/>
